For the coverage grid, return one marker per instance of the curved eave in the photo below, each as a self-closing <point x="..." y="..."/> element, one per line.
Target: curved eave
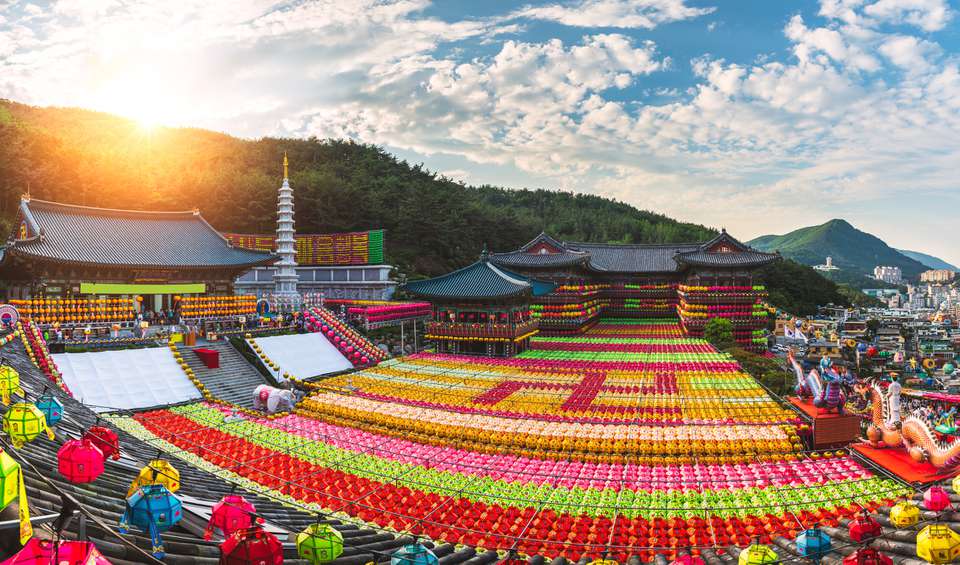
<point x="515" y="260"/>
<point x="26" y="255"/>
<point x="758" y="262"/>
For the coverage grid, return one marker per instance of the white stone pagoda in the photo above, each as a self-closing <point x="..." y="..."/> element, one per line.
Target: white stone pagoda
<point x="285" y="295"/>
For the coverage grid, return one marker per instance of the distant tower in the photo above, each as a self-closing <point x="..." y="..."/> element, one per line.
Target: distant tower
<point x="285" y="277"/>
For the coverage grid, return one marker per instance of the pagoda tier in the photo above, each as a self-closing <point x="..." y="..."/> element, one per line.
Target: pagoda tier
<point x="743" y="305"/>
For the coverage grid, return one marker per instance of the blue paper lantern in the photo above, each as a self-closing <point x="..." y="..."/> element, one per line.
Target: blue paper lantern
<point x="814" y="544"/>
<point x="152" y="509"/>
<point x="414" y="554"/>
<point x="51" y="407"/>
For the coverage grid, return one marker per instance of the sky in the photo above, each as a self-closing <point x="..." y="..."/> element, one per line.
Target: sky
<point x="759" y="116"/>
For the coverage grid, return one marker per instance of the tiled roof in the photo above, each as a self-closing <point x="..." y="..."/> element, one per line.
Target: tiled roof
<point x="633" y="258"/>
<point x="738" y="259"/>
<point x="521" y="259"/>
<point x="99" y="236"/>
<point x="615" y="258"/>
<point x="482" y="279"/>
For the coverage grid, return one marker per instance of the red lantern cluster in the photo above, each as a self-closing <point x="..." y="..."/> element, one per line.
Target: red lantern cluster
<point x="356" y="348"/>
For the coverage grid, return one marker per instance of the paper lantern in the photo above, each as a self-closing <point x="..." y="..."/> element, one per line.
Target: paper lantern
<point x="814" y="544"/>
<point x="758" y="555"/>
<point x="80" y="461"/>
<point x="106" y="441"/>
<point x="45" y="552"/>
<point x="9" y="383"/>
<point x="153" y="510"/>
<point x="23" y="422"/>
<point x="319" y="543"/>
<point x="936" y="499"/>
<point x="232" y="513"/>
<point x="51" y="407"/>
<point x="937" y="544"/>
<point x="904" y="514"/>
<point x="414" y="554"/>
<point x="9" y="479"/>
<point x="249" y="546"/>
<point x="863" y="528"/>
<point x="867" y="556"/>
<point x="157" y="472"/>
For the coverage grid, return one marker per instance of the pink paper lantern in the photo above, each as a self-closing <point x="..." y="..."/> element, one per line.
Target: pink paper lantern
<point x="80" y="461"/>
<point x="231" y="514"/>
<point x="41" y="552"/>
<point x="936" y="499"/>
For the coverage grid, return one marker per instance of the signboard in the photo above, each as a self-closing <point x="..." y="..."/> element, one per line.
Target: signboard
<point x="353" y="248"/>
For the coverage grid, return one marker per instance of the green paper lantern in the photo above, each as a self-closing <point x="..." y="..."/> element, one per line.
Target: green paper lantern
<point x="319" y="543"/>
<point x="23" y="422"/>
<point x="9" y="479"/>
<point x="9" y="383"/>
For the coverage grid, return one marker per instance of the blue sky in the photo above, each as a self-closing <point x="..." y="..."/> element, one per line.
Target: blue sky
<point x="759" y="116"/>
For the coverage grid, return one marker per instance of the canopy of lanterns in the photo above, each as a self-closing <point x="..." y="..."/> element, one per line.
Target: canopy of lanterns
<point x="216" y="306"/>
<point x="76" y="310"/>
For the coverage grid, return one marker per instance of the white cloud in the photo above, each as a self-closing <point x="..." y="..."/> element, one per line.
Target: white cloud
<point x="645" y="14"/>
<point x="929" y="15"/>
<point x="908" y="52"/>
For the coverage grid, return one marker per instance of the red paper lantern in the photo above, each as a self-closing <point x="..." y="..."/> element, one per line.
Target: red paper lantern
<point x="864" y="528"/>
<point x="251" y="545"/>
<point x="106" y="441"/>
<point x="80" y="461"/>
<point x="687" y="560"/>
<point x="867" y="556"/>
<point x="231" y="514"/>
<point x="936" y="499"/>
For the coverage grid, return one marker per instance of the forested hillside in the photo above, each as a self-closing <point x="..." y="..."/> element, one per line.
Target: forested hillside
<point x="433" y="223"/>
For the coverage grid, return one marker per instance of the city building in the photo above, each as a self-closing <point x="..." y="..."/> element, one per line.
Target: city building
<point x="887" y="274"/>
<point x="937" y="276"/>
<point x="828" y="266"/>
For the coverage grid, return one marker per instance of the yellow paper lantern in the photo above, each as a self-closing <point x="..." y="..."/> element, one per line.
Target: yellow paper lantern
<point x="157" y="472"/>
<point x="937" y="544"/>
<point x="904" y="514"/>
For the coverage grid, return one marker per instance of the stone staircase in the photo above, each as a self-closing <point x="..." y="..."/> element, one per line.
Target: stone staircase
<point x="234" y="381"/>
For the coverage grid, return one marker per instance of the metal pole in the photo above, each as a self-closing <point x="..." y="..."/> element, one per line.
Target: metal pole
<point x="416" y="349"/>
<point x="401" y="340"/>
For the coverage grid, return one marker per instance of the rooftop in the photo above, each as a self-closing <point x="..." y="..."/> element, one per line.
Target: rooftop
<point x="82" y="235"/>
<point x="482" y="279"/>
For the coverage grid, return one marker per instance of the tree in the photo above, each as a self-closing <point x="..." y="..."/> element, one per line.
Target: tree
<point x="719" y="332"/>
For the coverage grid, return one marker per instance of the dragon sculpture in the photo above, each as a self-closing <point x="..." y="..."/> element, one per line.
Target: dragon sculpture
<point x="912" y="433"/>
<point x="826" y="390"/>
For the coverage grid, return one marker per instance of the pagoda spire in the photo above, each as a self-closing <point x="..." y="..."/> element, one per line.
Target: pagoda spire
<point x="285" y="276"/>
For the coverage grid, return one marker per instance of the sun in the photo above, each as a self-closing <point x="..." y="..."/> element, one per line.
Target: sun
<point x="140" y="97"/>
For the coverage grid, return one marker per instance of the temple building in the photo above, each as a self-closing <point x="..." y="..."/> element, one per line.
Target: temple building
<point x="481" y="309"/>
<point x="64" y="251"/>
<point x="692" y="281"/>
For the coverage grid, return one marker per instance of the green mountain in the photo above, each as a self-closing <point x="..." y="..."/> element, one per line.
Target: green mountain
<point x="433" y="224"/>
<point x="928" y="260"/>
<point x="851" y="249"/>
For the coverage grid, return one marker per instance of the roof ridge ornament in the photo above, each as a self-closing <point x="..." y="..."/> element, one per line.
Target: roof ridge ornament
<point x="285" y="165"/>
<point x="485" y="254"/>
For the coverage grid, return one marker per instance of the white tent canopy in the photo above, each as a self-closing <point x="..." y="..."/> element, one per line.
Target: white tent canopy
<point x="303" y="355"/>
<point x="129" y="378"/>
